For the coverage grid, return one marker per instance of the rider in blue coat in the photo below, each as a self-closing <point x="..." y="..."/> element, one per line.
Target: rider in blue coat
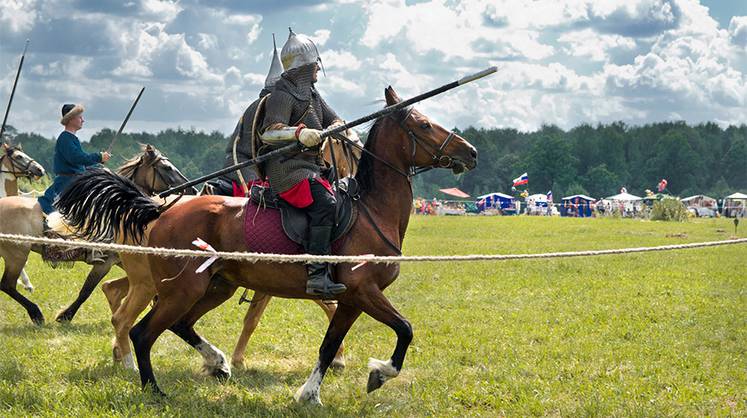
<point x="69" y="157"/>
<point x="69" y="161"/>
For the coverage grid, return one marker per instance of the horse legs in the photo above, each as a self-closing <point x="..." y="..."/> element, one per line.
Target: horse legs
<point x="251" y="320"/>
<point x="26" y="282"/>
<point x="8" y="285"/>
<point x="174" y="300"/>
<point x="137" y="299"/>
<point x="92" y="280"/>
<point x="379" y="308"/>
<point x="215" y="363"/>
<point x="329" y="307"/>
<point x="115" y="290"/>
<point x="343" y="319"/>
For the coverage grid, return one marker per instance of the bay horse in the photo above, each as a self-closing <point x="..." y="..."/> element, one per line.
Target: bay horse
<point x="14" y="165"/>
<point x="401" y="143"/>
<point x="130" y="295"/>
<point x="151" y="172"/>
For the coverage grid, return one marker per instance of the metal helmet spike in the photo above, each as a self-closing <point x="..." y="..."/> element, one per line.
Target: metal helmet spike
<point x="298" y="50"/>
<point x="276" y="67"/>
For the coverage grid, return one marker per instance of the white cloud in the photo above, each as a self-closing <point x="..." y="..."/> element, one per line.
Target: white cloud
<point x="738" y="31"/>
<point x="587" y="43"/>
<point x="18" y="15"/>
<point x="343" y="60"/>
<point x="162" y="10"/>
<point x="320" y="37"/>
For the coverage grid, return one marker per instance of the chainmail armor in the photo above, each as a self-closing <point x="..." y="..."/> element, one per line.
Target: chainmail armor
<point x="295" y="101"/>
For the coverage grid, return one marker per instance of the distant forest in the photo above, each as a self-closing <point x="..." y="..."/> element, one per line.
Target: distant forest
<point x="593" y="160"/>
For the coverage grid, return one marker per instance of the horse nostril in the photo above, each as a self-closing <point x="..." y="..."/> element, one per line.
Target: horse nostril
<point x="473" y="153"/>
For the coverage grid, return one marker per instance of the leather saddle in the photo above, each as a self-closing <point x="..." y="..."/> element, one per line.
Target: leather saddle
<point x="294" y="220"/>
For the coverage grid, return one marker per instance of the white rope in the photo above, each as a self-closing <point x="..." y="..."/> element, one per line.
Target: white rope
<point x="305" y="258"/>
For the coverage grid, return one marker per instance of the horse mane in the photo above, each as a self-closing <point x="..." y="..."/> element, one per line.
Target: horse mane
<point x="98" y="202"/>
<point x="365" y="176"/>
<point x="127" y="169"/>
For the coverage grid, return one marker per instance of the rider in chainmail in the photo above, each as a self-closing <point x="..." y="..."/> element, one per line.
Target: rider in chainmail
<point x="296" y="112"/>
<point x="239" y="147"/>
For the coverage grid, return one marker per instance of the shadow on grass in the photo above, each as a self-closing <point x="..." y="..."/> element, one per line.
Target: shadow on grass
<point x="28" y="329"/>
<point x="212" y="400"/>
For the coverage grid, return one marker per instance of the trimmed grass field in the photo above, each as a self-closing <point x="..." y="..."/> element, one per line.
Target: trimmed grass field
<point x="655" y="334"/>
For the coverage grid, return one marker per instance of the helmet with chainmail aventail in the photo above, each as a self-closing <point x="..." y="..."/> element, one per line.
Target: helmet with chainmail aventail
<point x="298" y="51"/>
<point x="276" y="68"/>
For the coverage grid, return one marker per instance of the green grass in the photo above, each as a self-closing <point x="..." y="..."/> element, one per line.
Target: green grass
<point x="657" y="334"/>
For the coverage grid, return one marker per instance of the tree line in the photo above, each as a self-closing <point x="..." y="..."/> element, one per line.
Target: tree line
<point x="593" y="160"/>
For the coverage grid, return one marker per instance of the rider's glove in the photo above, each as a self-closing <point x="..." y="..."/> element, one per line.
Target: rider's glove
<point x="309" y="137"/>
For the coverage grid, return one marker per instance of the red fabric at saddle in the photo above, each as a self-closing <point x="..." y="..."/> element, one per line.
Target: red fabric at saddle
<point x="263" y="232"/>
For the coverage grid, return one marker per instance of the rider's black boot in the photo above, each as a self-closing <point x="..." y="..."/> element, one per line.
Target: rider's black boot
<point x="320" y="280"/>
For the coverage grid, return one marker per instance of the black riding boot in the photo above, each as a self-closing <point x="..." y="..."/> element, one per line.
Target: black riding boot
<point x="320" y="280"/>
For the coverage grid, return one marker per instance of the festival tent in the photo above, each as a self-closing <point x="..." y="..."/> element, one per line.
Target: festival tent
<point x="624" y="197"/>
<point x="626" y="203"/>
<point x="537" y="204"/>
<point x="735" y="205"/>
<point x="494" y="200"/>
<point x="577" y="205"/>
<point x="454" y="192"/>
<point x="699" y="201"/>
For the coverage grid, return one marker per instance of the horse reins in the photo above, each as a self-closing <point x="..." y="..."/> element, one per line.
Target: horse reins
<point x="14" y="166"/>
<point x="437" y="157"/>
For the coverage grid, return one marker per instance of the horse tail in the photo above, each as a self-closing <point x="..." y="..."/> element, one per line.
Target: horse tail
<point x="102" y="206"/>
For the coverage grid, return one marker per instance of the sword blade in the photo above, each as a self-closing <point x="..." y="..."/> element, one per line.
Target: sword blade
<point x="114" y="140"/>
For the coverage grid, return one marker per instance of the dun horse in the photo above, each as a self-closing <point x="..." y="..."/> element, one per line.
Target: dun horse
<point x="150" y="171"/>
<point x="401" y="142"/>
<point x="15" y="164"/>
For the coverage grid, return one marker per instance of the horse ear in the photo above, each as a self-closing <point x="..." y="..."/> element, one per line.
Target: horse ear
<point x="391" y="96"/>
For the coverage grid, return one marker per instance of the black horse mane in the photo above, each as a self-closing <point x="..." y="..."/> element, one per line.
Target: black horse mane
<point x="365" y="175"/>
<point x="98" y="203"/>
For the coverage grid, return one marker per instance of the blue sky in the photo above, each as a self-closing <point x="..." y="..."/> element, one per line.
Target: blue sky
<point x="562" y="62"/>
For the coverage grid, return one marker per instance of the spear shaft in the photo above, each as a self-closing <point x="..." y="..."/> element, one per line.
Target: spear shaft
<point x="137" y="99"/>
<point x="13" y="91"/>
<point x="327" y="132"/>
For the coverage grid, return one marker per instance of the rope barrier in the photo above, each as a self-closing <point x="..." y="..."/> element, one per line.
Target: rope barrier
<point x="334" y="259"/>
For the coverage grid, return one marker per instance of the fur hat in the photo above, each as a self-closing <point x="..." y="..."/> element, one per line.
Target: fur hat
<point x="70" y="111"/>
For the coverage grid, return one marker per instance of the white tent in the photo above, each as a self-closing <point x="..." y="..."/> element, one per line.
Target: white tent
<point x="582" y="196"/>
<point x="625" y="197"/>
<point x="735" y="205"/>
<point x="700" y="201"/>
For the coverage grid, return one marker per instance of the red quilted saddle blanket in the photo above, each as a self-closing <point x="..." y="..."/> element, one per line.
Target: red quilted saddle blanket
<point x="263" y="232"/>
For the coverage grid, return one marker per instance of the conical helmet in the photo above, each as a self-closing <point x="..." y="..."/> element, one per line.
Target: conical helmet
<point x="276" y="68"/>
<point x="298" y="50"/>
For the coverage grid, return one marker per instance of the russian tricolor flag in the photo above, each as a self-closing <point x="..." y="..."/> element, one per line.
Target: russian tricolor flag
<point x="522" y="179"/>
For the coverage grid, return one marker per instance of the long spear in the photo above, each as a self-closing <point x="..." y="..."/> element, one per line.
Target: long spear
<point x="292" y="147"/>
<point x="114" y="140"/>
<point x="13" y="91"/>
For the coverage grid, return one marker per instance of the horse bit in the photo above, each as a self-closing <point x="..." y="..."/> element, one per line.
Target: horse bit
<point x="24" y="170"/>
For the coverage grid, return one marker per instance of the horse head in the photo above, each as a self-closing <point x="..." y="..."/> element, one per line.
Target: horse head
<point x="430" y="144"/>
<point x="18" y="164"/>
<point x="153" y="172"/>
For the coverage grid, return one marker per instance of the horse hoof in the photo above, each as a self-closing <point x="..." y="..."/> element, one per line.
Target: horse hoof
<point x="29" y="289"/>
<point x="375" y="380"/>
<point x="238" y="364"/>
<point x="308" y="398"/>
<point x="221" y="375"/>
<point x="64" y="317"/>
<point x="154" y="390"/>
<point x="36" y="316"/>
<point x="337" y="364"/>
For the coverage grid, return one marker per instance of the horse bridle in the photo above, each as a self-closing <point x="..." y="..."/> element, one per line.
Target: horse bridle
<point x="156" y="174"/>
<point x="438" y="158"/>
<point x="24" y="170"/>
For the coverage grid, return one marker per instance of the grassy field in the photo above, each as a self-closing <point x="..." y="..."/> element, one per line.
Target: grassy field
<point x="657" y="334"/>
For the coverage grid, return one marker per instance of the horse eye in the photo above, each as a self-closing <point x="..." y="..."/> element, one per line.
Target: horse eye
<point x="425" y="125"/>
